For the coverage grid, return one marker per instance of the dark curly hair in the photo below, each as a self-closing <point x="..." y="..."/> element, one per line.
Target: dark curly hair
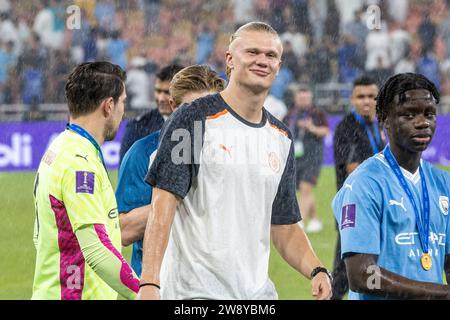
<point x="398" y="85"/>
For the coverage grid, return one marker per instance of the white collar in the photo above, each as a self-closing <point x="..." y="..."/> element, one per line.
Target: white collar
<point x="413" y="177"/>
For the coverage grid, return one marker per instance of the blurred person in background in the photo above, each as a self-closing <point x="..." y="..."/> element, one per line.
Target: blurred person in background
<point x="276" y="107"/>
<point x="105" y="14"/>
<point x="79" y="37"/>
<point x="152" y="9"/>
<point x="9" y="31"/>
<point x="152" y="120"/>
<point x="428" y="65"/>
<point x="356" y="138"/>
<point x="309" y="127"/>
<point x="358" y="30"/>
<point x="7" y="60"/>
<point x="406" y="63"/>
<point x="381" y="72"/>
<point x="377" y="45"/>
<point x="296" y="39"/>
<point x="90" y="50"/>
<point x="33" y="66"/>
<point x="133" y="193"/>
<point x="60" y="66"/>
<point x="399" y="43"/>
<point x="49" y="23"/>
<point x="138" y="83"/>
<point x="117" y="49"/>
<point x="43" y="22"/>
<point x="5" y="6"/>
<point x="205" y="43"/>
<point x="348" y="59"/>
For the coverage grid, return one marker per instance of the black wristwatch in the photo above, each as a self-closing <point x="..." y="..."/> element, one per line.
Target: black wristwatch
<point x="321" y="269"/>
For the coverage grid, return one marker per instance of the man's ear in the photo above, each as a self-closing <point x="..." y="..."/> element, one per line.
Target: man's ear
<point x="172" y="104"/>
<point x="386" y="123"/>
<point x="229" y="59"/>
<point x="107" y="106"/>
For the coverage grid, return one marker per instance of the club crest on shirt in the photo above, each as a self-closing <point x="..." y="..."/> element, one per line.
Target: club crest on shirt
<point x="85" y="182"/>
<point x="274" y="162"/>
<point x="443" y="204"/>
<point x="348" y="219"/>
<point x="49" y="157"/>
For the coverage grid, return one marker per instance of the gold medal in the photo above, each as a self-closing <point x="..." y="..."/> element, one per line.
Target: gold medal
<point x="426" y="261"/>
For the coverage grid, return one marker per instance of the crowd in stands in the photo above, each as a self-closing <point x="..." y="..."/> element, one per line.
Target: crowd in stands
<point x="325" y="41"/>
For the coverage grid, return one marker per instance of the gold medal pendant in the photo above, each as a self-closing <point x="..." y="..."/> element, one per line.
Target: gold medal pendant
<point x="426" y="261"/>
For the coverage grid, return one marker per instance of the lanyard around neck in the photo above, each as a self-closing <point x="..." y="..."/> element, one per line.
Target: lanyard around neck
<point x="82" y="132"/>
<point x="374" y="141"/>
<point x="423" y="225"/>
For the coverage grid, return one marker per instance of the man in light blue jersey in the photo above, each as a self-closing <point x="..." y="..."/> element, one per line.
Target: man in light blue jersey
<point x="392" y="210"/>
<point x="133" y="193"/>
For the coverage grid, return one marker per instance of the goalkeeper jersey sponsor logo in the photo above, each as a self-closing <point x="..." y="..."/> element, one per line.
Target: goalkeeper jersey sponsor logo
<point x="113" y="213"/>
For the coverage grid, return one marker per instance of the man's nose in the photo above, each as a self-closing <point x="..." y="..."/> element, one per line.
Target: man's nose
<point x="262" y="60"/>
<point x="422" y="121"/>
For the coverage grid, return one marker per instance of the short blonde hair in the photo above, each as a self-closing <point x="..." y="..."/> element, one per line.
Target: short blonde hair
<point x="251" y="26"/>
<point x="194" y="78"/>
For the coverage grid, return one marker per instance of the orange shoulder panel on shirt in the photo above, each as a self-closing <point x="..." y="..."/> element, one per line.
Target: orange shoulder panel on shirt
<point x="282" y="131"/>
<point x="217" y="115"/>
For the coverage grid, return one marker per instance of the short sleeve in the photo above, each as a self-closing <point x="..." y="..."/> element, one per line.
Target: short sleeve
<point x="341" y="145"/>
<point x="82" y="189"/>
<point x="357" y="210"/>
<point x="285" y="208"/>
<point x="173" y="167"/>
<point x="132" y="191"/>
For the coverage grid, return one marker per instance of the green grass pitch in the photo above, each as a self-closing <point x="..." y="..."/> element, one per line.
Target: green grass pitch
<point x="18" y="254"/>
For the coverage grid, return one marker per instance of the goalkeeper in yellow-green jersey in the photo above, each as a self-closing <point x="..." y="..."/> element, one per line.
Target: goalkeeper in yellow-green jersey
<point x="77" y="231"/>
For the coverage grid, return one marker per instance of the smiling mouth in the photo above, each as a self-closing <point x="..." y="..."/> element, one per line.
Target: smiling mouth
<point x="260" y="73"/>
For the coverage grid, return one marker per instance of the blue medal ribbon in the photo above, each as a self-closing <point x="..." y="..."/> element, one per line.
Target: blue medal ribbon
<point x="77" y="129"/>
<point x="374" y="141"/>
<point x="423" y="225"/>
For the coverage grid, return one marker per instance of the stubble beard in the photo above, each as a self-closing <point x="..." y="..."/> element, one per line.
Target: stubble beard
<point x="110" y="131"/>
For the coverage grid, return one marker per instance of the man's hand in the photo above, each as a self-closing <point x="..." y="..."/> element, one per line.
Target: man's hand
<point x="321" y="286"/>
<point x="148" y="293"/>
<point x="305" y="123"/>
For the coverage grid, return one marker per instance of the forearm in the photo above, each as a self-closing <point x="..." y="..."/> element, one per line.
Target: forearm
<point x="295" y="248"/>
<point x="368" y="278"/>
<point x="447" y="268"/>
<point x="157" y="234"/>
<point x="133" y="223"/>
<point x="320" y="132"/>
<point x="106" y="261"/>
<point x="395" y="286"/>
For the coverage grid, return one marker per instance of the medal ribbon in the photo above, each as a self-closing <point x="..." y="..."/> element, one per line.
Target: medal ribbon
<point x="374" y="142"/>
<point x="77" y="129"/>
<point x="422" y="225"/>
